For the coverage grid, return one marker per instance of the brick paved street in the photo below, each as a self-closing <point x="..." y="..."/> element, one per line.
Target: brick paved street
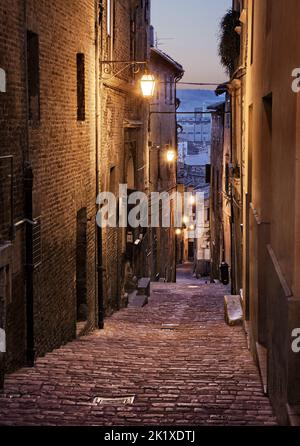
<point x="199" y="373"/>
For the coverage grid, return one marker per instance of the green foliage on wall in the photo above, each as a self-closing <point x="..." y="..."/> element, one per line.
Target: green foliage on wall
<point x="229" y="41"/>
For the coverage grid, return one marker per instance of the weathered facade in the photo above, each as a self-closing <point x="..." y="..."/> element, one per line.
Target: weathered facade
<point x="48" y="129"/>
<point x="71" y="125"/>
<point x="163" y="174"/>
<point x="220" y="196"/>
<point x="216" y="196"/>
<point x="264" y="193"/>
<point x="124" y="157"/>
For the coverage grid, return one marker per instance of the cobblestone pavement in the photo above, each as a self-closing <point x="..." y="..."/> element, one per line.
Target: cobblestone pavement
<point x="196" y="372"/>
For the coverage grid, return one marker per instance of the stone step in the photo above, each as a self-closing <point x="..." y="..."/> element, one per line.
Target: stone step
<point x="262" y="356"/>
<point x="136" y="300"/>
<point x="233" y="310"/>
<point x="144" y="286"/>
<point x="294" y="414"/>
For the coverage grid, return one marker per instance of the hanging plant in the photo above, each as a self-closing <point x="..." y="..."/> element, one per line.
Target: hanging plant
<point x="229" y="41"/>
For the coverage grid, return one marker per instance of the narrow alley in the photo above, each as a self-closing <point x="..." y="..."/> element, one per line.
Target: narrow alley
<point x="146" y="353"/>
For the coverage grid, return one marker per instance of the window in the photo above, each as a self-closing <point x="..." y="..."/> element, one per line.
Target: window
<point x="110" y="26"/>
<point x="158" y="86"/>
<point x="81" y="265"/>
<point x="109" y="17"/>
<point x="171" y="89"/>
<point x="227" y="179"/>
<point x="252" y="31"/>
<point x="80" y="87"/>
<point x="112" y="181"/>
<point x="207" y="173"/>
<point x="33" y="76"/>
<point x="166" y="88"/>
<point x="269" y="16"/>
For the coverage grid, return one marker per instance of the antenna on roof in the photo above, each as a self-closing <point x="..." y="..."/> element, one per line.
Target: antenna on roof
<point x="159" y="40"/>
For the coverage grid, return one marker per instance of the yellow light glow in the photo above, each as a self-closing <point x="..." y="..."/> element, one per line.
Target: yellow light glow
<point x="171" y="155"/>
<point x="148" y="85"/>
<point x="192" y="200"/>
<point x="186" y="219"/>
<point x="178" y="232"/>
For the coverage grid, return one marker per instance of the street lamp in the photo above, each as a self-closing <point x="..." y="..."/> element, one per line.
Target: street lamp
<point x="192" y="200"/>
<point x="171" y="155"/>
<point x="148" y="85"/>
<point x="186" y="220"/>
<point x="112" y="68"/>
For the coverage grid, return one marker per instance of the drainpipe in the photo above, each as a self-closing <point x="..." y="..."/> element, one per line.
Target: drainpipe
<point x="28" y="211"/>
<point x="99" y="256"/>
<point x="28" y="186"/>
<point x="177" y="79"/>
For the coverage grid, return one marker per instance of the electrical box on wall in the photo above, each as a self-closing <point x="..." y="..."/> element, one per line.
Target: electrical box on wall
<point x="2" y="81"/>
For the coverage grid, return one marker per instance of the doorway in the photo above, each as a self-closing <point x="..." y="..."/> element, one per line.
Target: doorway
<point x="81" y="266"/>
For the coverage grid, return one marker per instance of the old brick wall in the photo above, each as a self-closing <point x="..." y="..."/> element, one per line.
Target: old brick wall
<point x="163" y="177"/>
<point x="122" y="110"/>
<point x="62" y="154"/>
<point x="13" y="143"/>
<point x="61" y="151"/>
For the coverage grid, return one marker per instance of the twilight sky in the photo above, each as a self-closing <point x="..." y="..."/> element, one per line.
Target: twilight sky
<point x="194" y="26"/>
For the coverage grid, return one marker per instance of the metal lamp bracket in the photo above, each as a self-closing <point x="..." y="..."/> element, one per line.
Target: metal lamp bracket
<point x="109" y="67"/>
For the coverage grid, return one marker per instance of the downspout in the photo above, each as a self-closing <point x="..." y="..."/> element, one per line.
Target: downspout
<point x="28" y="212"/>
<point x="99" y="255"/>
<point x="177" y="79"/>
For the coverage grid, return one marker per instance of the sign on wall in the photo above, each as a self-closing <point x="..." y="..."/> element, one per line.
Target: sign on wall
<point x="2" y="81"/>
<point x="2" y="341"/>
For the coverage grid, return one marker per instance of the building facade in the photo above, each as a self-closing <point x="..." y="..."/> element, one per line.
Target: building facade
<point x="48" y="177"/>
<point x="216" y="196"/>
<point x="264" y="189"/>
<point x="220" y="195"/>
<point x="163" y="172"/>
<point x="124" y="157"/>
<point x="72" y="124"/>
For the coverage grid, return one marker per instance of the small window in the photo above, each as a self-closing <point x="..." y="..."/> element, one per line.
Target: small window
<point x="80" y="87"/>
<point x="112" y="181"/>
<point x="207" y="173"/>
<point x="33" y="76"/>
<point x="171" y="88"/>
<point x="227" y="179"/>
<point x="110" y="17"/>
<point x="252" y="31"/>
<point x="166" y="88"/>
<point x="269" y="16"/>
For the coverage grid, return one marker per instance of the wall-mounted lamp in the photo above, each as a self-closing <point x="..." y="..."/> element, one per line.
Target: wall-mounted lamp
<point x="148" y="85"/>
<point x="114" y="68"/>
<point x="171" y="156"/>
<point x="192" y="200"/>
